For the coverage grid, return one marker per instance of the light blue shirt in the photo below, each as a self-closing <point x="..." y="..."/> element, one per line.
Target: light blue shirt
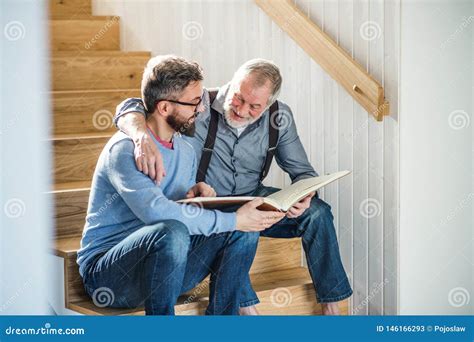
<point x="123" y="200"/>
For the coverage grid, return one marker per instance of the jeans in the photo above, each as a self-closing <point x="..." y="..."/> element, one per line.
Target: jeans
<point x="155" y="264"/>
<point x="316" y="228"/>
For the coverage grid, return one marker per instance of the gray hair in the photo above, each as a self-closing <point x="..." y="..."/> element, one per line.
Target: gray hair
<point x="166" y="77"/>
<point x="263" y="70"/>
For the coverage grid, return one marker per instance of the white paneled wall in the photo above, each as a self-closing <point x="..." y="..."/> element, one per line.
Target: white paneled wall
<point x="336" y="132"/>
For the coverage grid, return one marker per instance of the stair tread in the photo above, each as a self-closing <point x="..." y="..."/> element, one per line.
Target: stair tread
<point x="75" y="136"/>
<point x="78" y="16"/>
<point x="85" y="18"/>
<point x="91" y="91"/>
<point x="261" y="282"/>
<point x="99" y="53"/>
<point x="67" y="246"/>
<point x="71" y="186"/>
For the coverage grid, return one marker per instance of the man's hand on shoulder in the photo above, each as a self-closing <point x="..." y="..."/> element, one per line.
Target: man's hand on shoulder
<point x="148" y="157"/>
<point x="201" y="189"/>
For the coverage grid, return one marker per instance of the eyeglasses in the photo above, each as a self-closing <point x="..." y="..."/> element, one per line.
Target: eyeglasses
<point x="195" y="105"/>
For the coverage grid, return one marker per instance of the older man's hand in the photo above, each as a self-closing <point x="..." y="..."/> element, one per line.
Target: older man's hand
<point x="299" y="208"/>
<point x="201" y="189"/>
<point x="148" y="158"/>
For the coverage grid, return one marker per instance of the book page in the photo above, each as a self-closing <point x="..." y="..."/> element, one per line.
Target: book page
<point x="297" y="191"/>
<point x="281" y="200"/>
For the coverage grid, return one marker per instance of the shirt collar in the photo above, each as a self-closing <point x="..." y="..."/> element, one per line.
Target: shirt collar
<point x="218" y="103"/>
<point x="167" y="144"/>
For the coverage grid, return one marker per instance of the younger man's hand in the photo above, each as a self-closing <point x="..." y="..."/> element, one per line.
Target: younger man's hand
<point x="250" y="219"/>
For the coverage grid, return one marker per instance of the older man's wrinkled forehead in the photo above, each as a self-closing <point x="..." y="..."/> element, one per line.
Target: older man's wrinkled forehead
<point x="252" y="88"/>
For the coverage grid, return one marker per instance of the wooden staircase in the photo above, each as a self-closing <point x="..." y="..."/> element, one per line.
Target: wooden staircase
<point x="90" y="76"/>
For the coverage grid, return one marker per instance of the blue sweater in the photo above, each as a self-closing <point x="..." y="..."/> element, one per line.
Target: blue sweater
<point x="123" y="200"/>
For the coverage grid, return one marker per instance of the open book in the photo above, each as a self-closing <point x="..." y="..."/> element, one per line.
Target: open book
<point x="282" y="200"/>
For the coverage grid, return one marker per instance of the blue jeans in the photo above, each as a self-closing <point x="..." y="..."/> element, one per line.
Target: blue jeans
<point x="316" y="228"/>
<point x="155" y="264"/>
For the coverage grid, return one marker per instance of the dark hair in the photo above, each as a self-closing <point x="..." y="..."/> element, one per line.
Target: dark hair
<point x="165" y="77"/>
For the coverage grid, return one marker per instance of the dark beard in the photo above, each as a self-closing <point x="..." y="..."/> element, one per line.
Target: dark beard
<point x="181" y="126"/>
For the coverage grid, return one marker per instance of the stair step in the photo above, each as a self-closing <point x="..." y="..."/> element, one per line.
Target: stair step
<point x="70" y="9"/>
<point x="87" y="70"/>
<point x="72" y="186"/>
<point x="94" y="33"/>
<point x="75" y="156"/>
<point x="272" y="254"/>
<point x="70" y="200"/>
<point x="286" y="292"/>
<point x="87" y="111"/>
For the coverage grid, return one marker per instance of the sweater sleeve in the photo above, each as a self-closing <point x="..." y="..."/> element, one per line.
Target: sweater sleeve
<point x="148" y="202"/>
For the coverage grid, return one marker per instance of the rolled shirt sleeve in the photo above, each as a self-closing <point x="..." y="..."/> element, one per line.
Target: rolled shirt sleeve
<point x="132" y="104"/>
<point x="290" y="154"/>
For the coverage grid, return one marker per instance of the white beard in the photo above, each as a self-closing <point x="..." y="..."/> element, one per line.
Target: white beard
<point x="232" y="123"/>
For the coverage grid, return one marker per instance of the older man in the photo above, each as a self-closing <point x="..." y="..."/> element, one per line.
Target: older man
<point x="236" y="139"/>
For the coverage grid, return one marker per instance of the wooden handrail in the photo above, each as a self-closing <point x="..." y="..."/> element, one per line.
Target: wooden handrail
<point x="331" y="57"/>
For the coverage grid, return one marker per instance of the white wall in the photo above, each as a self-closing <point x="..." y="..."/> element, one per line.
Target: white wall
<point x="436" y="153"/>
<point x="336" y="132"/>
<point x="25" y="214"/>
